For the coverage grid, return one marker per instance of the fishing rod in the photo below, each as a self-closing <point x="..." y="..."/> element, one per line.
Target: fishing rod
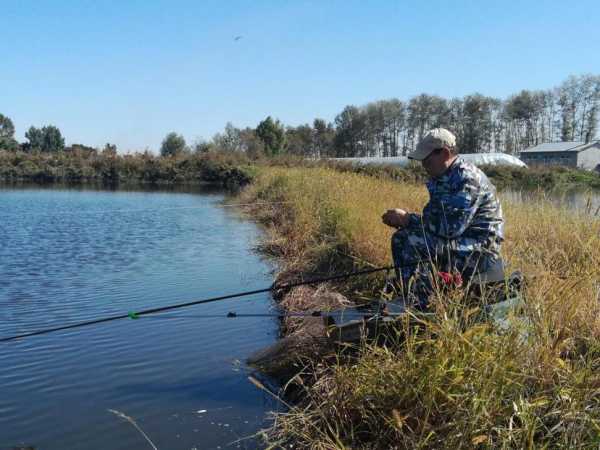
<point x="137" y="314"/>
<point x="279" y="315"/>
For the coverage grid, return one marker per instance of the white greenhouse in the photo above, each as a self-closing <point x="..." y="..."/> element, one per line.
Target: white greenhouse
<point x="478" y="159"/>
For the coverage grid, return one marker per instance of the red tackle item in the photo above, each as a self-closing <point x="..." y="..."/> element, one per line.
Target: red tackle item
<point x="446" y="277"/>
<point x="451" y="280"/>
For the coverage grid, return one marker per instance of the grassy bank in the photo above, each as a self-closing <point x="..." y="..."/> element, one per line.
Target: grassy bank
<point x="90" y="167"/>
<point x="504" y="177"/>
<point x="559" y="178"/>
<point x="138" y="169"/>
<point x="459" y="383"/>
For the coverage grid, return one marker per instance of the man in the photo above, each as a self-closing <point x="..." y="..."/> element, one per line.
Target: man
<point x="461" y="228"/>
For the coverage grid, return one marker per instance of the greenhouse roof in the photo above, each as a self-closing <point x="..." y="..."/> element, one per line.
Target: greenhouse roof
<point x="494" y="159"/>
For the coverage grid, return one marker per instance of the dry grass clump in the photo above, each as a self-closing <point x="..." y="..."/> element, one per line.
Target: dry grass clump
<point x="304" y="336"/>
<point x="453" y="382"/>
<point x="329" y="220"/>
<point x="308" y="299"/>
<point x="445" y="388"/>
<point x="456" y="383"/>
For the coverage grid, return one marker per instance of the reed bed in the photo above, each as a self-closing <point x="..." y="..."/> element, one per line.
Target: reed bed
<point x="102" y="168"/>
<point x="457" y="382"/>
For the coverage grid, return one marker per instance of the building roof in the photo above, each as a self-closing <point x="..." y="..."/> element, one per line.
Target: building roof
<point x="559" y="147"/>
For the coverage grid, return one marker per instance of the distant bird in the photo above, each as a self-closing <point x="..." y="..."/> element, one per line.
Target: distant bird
<point x="237" y="38"/>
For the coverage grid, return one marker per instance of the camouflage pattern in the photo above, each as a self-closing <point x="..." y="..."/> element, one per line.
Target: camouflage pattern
<point x="461" y="229"/>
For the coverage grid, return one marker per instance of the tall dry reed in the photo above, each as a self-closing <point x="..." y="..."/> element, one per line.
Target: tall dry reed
<point x="457" y="382"/>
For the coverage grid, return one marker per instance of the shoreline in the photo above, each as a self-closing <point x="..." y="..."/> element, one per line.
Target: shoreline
<point x="457" y="384"/>
<point x="365" y="399"/>
<point x="237" y="170"/>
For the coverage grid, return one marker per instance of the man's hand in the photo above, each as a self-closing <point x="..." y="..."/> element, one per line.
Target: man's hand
<point x="396" y="218"/>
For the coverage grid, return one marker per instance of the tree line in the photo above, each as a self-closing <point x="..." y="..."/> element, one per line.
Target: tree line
<point x="569" y="112"/>
<point x="47" y="138"/>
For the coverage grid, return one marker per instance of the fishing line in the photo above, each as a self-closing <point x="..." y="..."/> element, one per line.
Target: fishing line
<point x="137" y="314"/>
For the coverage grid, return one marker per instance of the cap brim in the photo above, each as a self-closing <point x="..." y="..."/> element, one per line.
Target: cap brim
<point x="419" y="155"/>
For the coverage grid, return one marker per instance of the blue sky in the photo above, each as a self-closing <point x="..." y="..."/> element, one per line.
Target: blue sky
<point x="130" y="72"/>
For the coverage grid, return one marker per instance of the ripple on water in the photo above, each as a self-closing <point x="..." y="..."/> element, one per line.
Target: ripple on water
<point x="67" y="258"/>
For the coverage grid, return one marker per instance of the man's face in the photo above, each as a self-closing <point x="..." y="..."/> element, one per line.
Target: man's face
<point x="436" y="162"/>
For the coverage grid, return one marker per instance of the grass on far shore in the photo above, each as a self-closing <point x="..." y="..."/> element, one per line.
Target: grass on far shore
<point x="236" y="169"/>
<point x="460" y="383"/>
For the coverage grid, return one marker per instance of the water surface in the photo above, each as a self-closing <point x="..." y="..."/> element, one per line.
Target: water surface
<point x="68" y="256"/>
<point x="580" y="201"/>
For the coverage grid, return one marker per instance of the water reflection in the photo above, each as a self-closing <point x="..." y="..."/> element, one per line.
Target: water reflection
<point x="68" y="256"/>
<point x="585" y="202"/>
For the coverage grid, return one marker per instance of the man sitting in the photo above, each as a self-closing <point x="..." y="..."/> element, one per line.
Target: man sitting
<point x="461" y="228"/>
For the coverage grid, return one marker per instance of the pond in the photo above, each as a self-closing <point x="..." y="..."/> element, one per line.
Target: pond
<point x="586" y="202"/>
<point x="73" y="255"/>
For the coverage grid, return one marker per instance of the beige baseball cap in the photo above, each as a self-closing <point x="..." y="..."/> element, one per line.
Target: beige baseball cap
<point x="434" y="139"/>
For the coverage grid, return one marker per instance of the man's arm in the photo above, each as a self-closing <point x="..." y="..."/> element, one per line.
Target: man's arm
<point x="449" y="214"/>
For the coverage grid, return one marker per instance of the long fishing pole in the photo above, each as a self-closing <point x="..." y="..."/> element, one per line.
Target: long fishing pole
<point x="280" y="315"/>
<point x="135" y="315"/>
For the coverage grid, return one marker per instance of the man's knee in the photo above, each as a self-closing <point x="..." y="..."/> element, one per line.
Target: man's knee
<point x="399" y="238"/>
<point x="409" y="246"/>
<point x="412" y="241"/>
<point x="401" y="245"/>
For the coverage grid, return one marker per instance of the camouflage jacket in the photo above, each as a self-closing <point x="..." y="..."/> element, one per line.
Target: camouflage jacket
<point x="464" y="211"/>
